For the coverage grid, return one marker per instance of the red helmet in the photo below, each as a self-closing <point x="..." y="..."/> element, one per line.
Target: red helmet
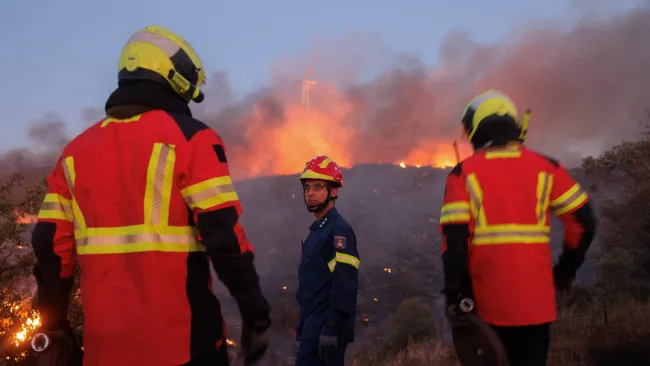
<point x="322" y="167"/>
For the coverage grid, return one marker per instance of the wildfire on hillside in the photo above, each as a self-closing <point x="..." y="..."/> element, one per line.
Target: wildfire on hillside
<point x="18" y="331"/>
<point x="279" y="134"/>
<point x="25" y="218"/>
<point x="32" y="322"/>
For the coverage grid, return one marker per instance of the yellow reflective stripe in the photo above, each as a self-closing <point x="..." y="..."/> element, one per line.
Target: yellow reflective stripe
<point x="457" y="211"/>
<point x="568" y="201"/>
<point x="544" y="187"/>
<point x="502" y="154"/>
<point x="108" y="120"/>
<point x="158" y="190"/>
<point x="512" y="227"/>
<point x="476" y="200"/>
<point x="210" y="193"/>
<point x="140" y="247"/>
<point x="71" y="177"/>
<point x="347" y="259"/>
<point x="55" y="206"/>
<point x="511" y="234"/>
<point x="325" y="163"/>
<point x="485" y="234"/>
<point x="135" y="229"/>
<point x="137" y="238"/>
<point x="332" y="264"/>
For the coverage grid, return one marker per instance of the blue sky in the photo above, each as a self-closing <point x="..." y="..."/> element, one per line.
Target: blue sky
<point x="61" y="56"/>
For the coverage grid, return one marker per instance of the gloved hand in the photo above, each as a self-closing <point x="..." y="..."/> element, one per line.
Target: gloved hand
<point x="255" y="312"/>
<point x="328" y="341"/>
<point x="563" y="277"/>
<point x="254" y="341"/>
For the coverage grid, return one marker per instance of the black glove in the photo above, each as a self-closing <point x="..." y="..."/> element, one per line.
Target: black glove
<point x="563" y="277"/>
<point x="255" y="312"/>
<point x="254" y="341"/>
<point x="328" y="341"/>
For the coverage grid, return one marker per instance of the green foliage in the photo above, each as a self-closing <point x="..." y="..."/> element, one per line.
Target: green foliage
<point x="413" y="322"/>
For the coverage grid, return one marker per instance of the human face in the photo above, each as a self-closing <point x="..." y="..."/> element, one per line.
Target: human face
<point x="315" y="193"/>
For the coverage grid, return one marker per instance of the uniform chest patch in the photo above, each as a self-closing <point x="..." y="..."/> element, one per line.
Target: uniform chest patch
<point x="340" y="242"/>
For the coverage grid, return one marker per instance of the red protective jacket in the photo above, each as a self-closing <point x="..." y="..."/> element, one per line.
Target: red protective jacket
<point x="128" y="198"/>
<point x="495" y="221"/>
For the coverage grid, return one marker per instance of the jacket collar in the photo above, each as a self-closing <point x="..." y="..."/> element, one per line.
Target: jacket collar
<point x="133" y="98"/>
<point x="329" y="216"/>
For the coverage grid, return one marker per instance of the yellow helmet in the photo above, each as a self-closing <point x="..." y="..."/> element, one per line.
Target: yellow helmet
<point x="158" y="54"/>
<point x="492" y="105"/>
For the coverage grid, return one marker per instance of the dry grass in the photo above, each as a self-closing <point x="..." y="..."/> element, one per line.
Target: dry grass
<point x="596" y="336"/>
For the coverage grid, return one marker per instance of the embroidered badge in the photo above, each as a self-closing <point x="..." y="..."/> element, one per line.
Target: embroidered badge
<point x="340" y="242"/>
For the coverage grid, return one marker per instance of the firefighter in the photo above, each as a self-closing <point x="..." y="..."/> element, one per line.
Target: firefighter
<point x="328" y="278"/>
<point x="143" y="201"/>
<point x="495" y="222"/>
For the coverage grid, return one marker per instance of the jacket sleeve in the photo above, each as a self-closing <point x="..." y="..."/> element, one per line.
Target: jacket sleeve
<point x="571" y="204"/>
<point x="343" y="261"/>
<point x="455" y="221"/>
<point x="207" y="188"/>
<point x="55" y="249"/>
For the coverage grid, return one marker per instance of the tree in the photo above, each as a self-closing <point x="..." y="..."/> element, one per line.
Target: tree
<point x="624" y="217"/>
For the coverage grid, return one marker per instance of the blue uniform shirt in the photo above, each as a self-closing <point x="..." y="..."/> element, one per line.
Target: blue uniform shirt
<point x="328" y="278"/>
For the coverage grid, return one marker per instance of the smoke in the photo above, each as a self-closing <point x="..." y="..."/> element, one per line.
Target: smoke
<point x="586" y="86"/>
<point x="50" y="134"/>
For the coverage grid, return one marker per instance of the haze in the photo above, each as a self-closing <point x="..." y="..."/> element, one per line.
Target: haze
<point x="391" y="81"/>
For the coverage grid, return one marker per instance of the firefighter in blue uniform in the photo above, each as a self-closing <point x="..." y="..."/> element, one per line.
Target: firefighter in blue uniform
<point x="328" y="274"/>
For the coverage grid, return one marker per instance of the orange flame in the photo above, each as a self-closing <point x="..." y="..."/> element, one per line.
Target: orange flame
<point x="277" y="147"/>
<point x="25" y="218"/>
<point x="27" y="328"/>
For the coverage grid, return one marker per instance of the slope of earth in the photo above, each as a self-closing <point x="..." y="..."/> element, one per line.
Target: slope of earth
<point x="394" y="212"/>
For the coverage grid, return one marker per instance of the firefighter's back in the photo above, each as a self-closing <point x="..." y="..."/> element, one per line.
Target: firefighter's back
<point x="137" y="252"/>
<point x="510" y="255"/>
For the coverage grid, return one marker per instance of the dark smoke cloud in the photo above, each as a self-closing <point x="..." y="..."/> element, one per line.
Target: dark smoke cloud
<point x="587" y="87"/>
<point x="49" y="135"/>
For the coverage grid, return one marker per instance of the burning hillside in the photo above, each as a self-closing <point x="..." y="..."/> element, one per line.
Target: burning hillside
<point x="390" y="132"/>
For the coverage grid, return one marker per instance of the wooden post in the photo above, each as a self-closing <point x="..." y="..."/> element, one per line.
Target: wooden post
<point x="456" y="151"/>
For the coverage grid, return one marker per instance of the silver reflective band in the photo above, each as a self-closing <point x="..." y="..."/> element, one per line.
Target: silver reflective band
<point x="43" y="342"/>
<point x="477" y="102"/>
<point x="167" y="45"/>
<point x="466" y="305"/>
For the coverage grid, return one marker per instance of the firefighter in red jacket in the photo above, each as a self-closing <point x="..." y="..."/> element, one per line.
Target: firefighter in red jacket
<point x="495" y="221"/>
<point x="143" y="201"/>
